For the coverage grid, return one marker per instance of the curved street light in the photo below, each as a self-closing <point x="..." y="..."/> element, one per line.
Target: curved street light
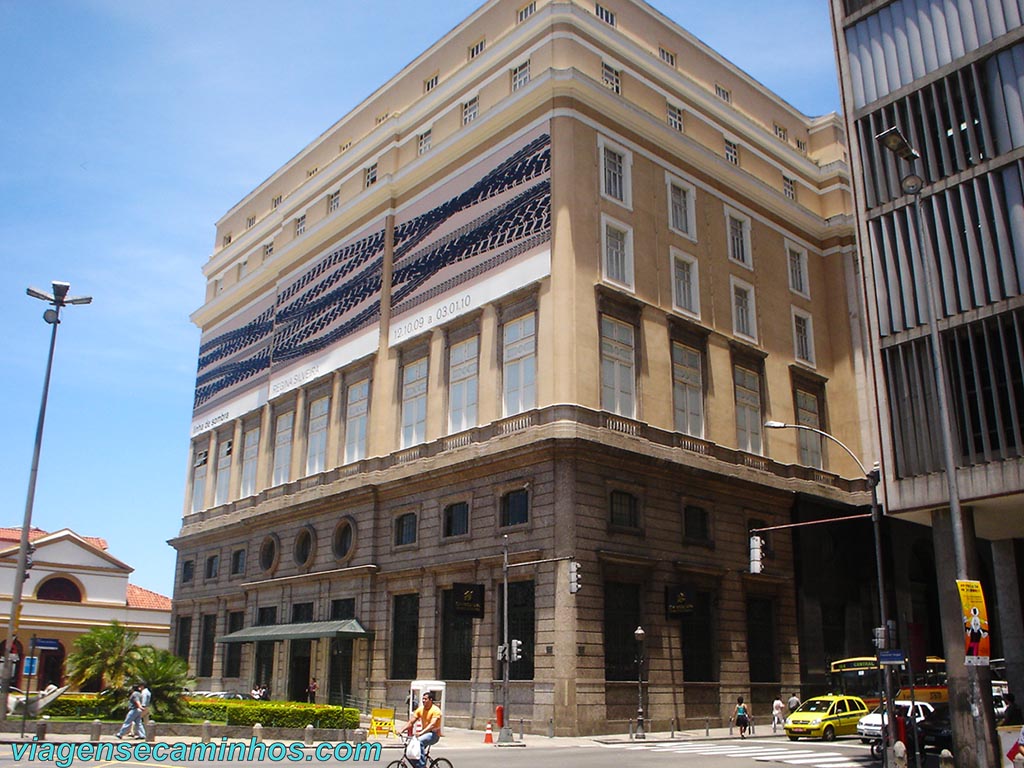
<point x="639" y="634"/>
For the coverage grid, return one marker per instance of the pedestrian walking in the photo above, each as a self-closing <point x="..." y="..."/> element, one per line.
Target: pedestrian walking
<point x="793" y="703"/>
<point x="778" y="713"/>
<point x="134" y="716"/>
<point x="741" y="716"/>
<point x="311" y="690"/>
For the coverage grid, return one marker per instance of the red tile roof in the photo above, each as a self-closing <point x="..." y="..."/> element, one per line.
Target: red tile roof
<point x="13" y="535"/>
<point x="144" y="598"/>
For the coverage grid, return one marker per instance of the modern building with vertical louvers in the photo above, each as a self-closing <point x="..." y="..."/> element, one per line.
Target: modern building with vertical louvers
<point x="543" y="287"/>
<point x="948" y="76"/>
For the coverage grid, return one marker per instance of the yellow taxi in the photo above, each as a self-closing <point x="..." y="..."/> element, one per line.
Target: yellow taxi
<point x="826" y="717"/>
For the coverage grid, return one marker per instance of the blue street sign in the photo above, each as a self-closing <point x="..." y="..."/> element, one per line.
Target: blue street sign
<point x="47" y="644"/>
<point x="891" y="657"/>
<point x="31" y="662"/>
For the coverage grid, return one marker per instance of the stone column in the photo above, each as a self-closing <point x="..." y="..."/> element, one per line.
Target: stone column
<point x="1008" y="619"/>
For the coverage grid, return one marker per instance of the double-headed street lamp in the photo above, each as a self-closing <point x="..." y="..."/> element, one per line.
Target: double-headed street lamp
<point x="58" y="300"/>
<point x="873" y="477"/>
<point x="639" y="634"/>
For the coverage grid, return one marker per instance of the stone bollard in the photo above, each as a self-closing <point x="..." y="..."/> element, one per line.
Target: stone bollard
<point x="551" y="727"/>
<point x="673" y="734"/>
<point x="707" y="726"/>
<point x="257" y="733"/>
<point x="899" y="755"/>
<point x="307" y="735"/>
<point x="207" y="731"/>
<point x="150" y="732"/>
<point x="94" y="730"/>
<point x="359" y="736"/>
<point x="40" y="730"/>
<point x="946" y="759"/>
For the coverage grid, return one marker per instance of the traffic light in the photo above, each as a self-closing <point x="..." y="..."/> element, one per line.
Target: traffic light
<point x="756" y="544"/>
<point x="517" y="650"/>
<point x="29" y="551"/>
<point x="502" y="652"/>
<point x="575" y="582"/>
<point x="880" y="640"/>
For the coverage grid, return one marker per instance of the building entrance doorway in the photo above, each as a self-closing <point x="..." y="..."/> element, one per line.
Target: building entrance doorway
<point x="340" y="671"/>
<point x="298" y="669"/>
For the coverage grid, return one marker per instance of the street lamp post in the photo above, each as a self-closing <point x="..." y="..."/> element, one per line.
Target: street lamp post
<point x="58" y="299"/>
<point x="894" y="141"/>
<point x="639" y="634"/>
<point x="873" y="477"/>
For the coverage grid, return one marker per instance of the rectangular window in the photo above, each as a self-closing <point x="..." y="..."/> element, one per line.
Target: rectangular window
<point x="456" y="640"/>
<point x="312" y="172"/>
<point x="738" y="232"/>
<point x="183" y="638"/>
<point x="667" y="56"/>
<point x="611" y="77"/>
<point x="250" y="222"/>
<point x="682" y="207"/>
<point x="781" y="132"/>
<point x="698" y="639"/>
<point x="798" y="271"/>
<point x="263" y="662"/>
<point x="199" y="470"/>
<point x="761" y="632"/>
<point x="243" y="268"/>
<point x="614" y="174"/>
<point x="283" y="448"/>
<point x="808" y="413"/>
<point x="696" y="524"/>
<point x="405" y="628"/>
<point x="343" y="608"/>
<point x="462" y="386"/>
<point x="470" y="109"/>
<point x="604" y="14"/>
<point x="621" y="617"/>
<point x="316" y="441"/>
<point x="456" y="519"/>
<point x="370" y="176"/>
<point x="405" y="529"/>
<point x="747" y="385"/>
<point x="687" y="390"/>
<point x="789" y="187"/>
<point x="732" y="152"/>
<point x="382" y="117"/>
<point x="207" y="644"/>
<point x="521" y="626"/>
<point x="526" y="12"/>
<point x="302" y="613"/>
<point x="801" y="145"/>
<point x="344" y="147"/>
<point x="519" y="365"/>
<point x="268" y="249"/>
<point x="233" y="651"/>
<point x="356" y="413"/>
<point x="618" y="360"/>
<point x="266" y="616"/>
<point x="685" y="283"/>
<point x="618" y="253"/>
<point x="212" y="566"/>
<point x="226" y="241"/>
<point x="520" y="76"/>
<point x="425" y="140"/>
<point x="300" y="225"/>
<point x="238" y="562"/>
<point x="250" y="453"/>
<point x="477" y="49"/>
<point x="221" y="495"/>
<point x="275" y="202"/>
<point x="414" y="402"/>
<point x="333" y="202"/>
<point x="723" y="93"/>
<point x="515" y="508"/>
<point x="430" y="84"/>
<point x="188" y="571"/>
<point x="803" y="337"/>
<point x="743" y="310"/>
<point x="674" y="117"/>
<point x="623" y="510"/>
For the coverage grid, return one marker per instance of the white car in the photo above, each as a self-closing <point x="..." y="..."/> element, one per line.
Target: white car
<point x="870" y="726"/>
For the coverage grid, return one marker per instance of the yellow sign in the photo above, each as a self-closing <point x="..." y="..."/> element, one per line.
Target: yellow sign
<point x="976" y="642"/>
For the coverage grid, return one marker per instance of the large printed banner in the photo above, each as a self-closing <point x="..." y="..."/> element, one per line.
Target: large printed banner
<point x="317" y="319"/>
<point x="479" y="236"/>
<point x="975" y="616"/>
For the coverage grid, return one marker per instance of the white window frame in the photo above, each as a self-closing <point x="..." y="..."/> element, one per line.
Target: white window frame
<point x="794" y="250"/>
<point x="470" y="110"/>
<point x="333" y="201"/>
<point x="604" y="144"/>
<point x="463" y="384"/>
<point x="268" y="249"/>
<point x="731" y="214"/>
<point x="731" y="151"/>
<point x="222" y="491"/>
<point x="723" y="93"/>
<point x="690" y="233"/>
<point x="604" y="14"/>
<point x="526" y="12"/>
<point x="424" y="142"/>
<point x="300" y="225"/>
<point x="520" y="75"/>
<point x="250" y="222"/>
<point x="430" y="83"/>
<point x="805" y="355"/>
<point x="284" y="426"/>
<point x="414" y="401"/>
<point x="370" y="176"/>
<point x="476" y="49"/>
<point x="789" y="187"/>
<point x="781" y="133"/>
<point x="519" y="364"/>
<point x="667" y="56"/>
<point x="250" y="461"/>
<point x="677" y="258"/>
<point x="607" y="222"/>
<point x="687" y="394"/>
<point x="276" y="202"/>
<point x="810" y="445"/>
<point x="611" y="77"/>
<point x="618" y="361"/>
<point x="801" y="146"/>
<point x="734" y="284"/>
<point x="317" y="423"/>
<point x="752" y="425"/>
<point x="200" y="470"/>
<point x="357" y="411"/>
<point x="674" y="117"/>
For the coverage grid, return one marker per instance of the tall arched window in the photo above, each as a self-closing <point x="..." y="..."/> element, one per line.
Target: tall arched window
<point x="59" y="588"/>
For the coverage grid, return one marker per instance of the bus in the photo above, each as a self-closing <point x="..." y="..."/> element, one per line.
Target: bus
<point x="858" y="676"/>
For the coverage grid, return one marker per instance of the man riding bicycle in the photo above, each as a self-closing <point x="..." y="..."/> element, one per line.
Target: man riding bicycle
<point x="429" y="715"/>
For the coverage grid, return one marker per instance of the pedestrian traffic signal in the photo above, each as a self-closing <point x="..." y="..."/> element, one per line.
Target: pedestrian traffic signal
<point x="517" y="650"/>
<point x="756" y="545"/>
<point x="575" y="581"/>
<point x="502" y="654"/>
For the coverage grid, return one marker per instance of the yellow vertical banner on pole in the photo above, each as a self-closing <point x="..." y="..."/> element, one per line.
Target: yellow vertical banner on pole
<point x="975" y="616"/>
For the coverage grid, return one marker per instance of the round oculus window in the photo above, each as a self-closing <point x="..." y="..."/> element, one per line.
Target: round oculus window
<point x="269" y="551"/>
<point x="304" y="543"/>
<point x="344" y="538"/>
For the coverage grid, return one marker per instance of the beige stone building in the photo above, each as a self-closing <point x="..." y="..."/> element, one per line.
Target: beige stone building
<point x="544" y="286"/>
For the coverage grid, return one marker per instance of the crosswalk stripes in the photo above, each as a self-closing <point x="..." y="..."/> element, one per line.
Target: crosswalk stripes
<point x="760" y="752"/>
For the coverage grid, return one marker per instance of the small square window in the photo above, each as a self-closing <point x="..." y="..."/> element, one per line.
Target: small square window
<point x="801" y="145"/>
<point x="424" y="142"/>
<point x="456" y="519"/>
<point x="405" y="529"/>
<point x="470" y="109"/>
<point x="275" y="202"/>
<point x="723" y="93"/>
<point x="623" y="510"/>
<point x="789" y="187"/>
<point x="430" y="84"/>
<point x="696" y="524"/>
<point x="520" y="76"/>
<point x="250" y="222"/>
<point x="300" y="225"/>
<point x="477" y="49"/>
<point x="515" y="508"/>
<point x="605" y="15"/>
<point x="226" y="240"/>
<point x="674" y="117"/>
<point x="526" y="12"/>
<point x="370" y="176"/>
<point x="333" y="202"/>
<point x="781" y="132"/>
<point x="611" y="77"/>
<point x="732" y="152"/>
<point x="268" y="249"/>
<point x="667" y="56"/>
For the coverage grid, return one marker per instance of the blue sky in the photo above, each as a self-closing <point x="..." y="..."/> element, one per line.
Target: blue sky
<point x="127" y="128"/>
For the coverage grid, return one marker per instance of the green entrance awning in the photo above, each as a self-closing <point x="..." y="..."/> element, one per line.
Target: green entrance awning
<point x="311" y="630"/>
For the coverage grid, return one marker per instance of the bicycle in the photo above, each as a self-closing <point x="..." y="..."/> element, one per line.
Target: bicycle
<point x="432" y="762"/>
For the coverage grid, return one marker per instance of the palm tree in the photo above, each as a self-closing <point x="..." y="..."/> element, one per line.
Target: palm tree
<point x="103" y="654"/>
<point x="166" y="676"/>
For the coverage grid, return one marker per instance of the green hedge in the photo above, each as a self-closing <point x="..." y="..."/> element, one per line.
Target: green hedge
<point x="84" y="705"/>
<point x="275" y="714"/>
